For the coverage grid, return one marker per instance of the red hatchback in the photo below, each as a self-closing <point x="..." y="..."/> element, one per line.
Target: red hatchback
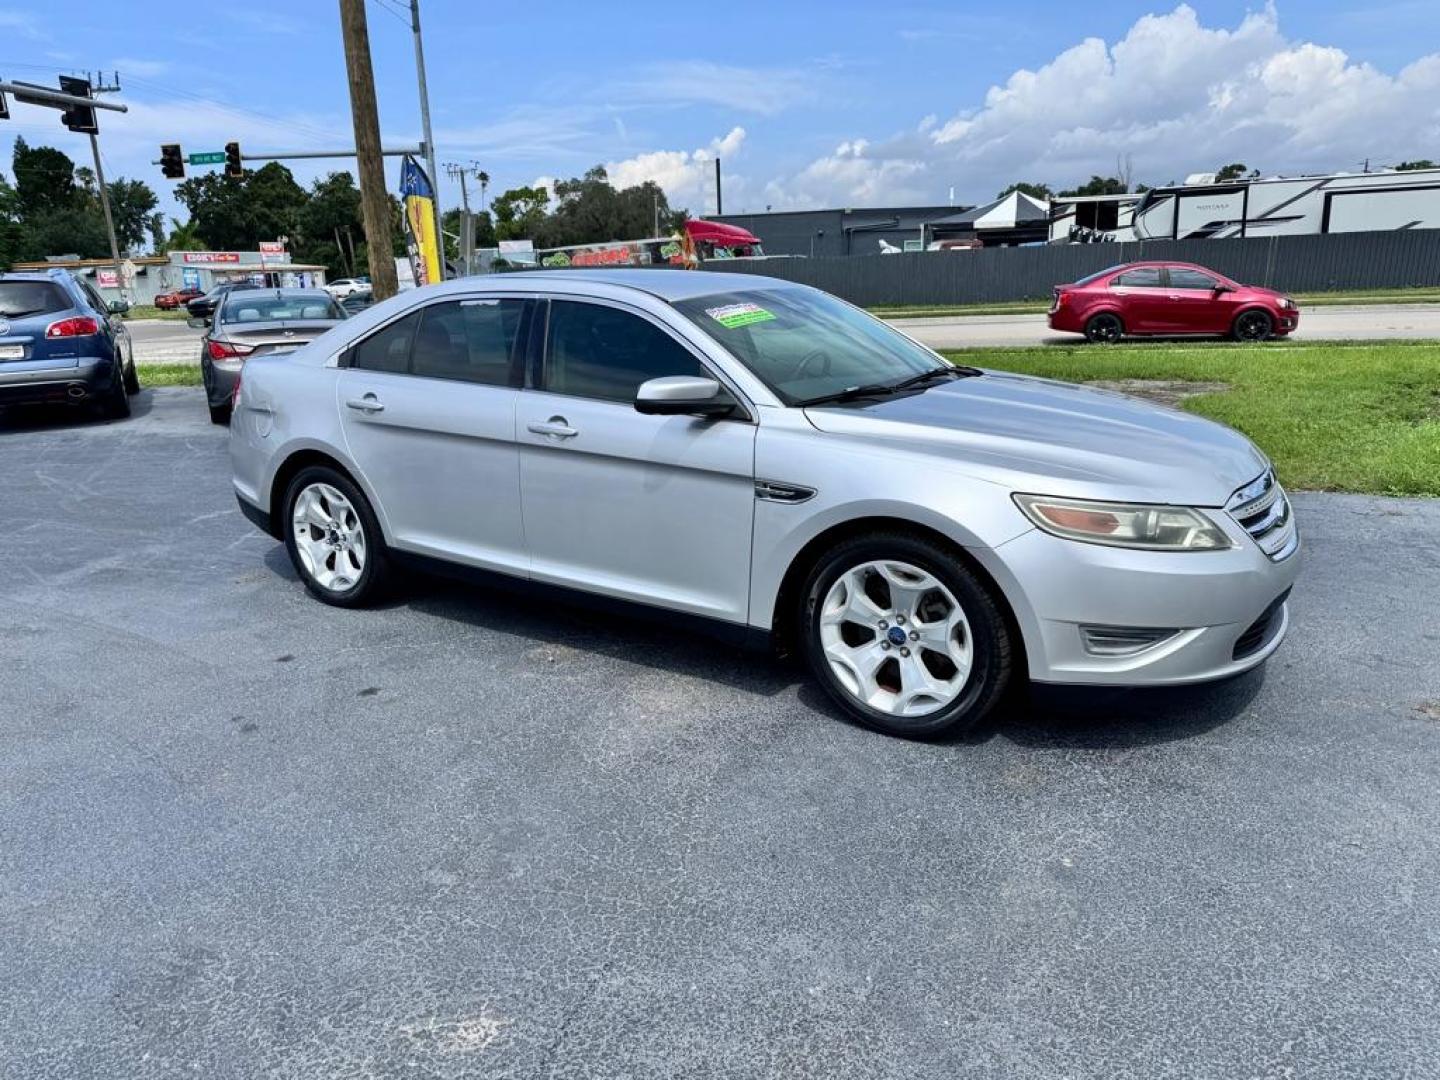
<point x="1169" y="298"/>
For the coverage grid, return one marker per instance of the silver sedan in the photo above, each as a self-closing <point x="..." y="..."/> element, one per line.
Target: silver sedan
<point x="777" y="465"/>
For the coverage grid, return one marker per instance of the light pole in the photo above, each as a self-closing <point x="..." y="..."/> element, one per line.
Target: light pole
<point x="425" y="127"/>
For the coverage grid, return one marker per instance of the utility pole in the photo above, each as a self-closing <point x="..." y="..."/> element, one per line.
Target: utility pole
<point x="374" y="200"/>
<point x="467" y="236"/>
<point x="425" y="129"/>
<point x="99" y="86"/>
<point x="719" y="205"/>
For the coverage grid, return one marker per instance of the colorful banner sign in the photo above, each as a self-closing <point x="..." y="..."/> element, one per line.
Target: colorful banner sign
<point x="212" y="256"/>
<point x="420" y="240"/>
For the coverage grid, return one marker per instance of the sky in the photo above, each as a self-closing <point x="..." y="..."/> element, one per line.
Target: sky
<point x="808" y="103"/>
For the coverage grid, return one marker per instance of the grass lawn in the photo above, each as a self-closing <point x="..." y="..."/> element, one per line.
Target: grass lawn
<point x="169" y="374"/>
<point x="1332" y="416"/>
<point x="1039" y="307"/>
<point x="150" y="311"/>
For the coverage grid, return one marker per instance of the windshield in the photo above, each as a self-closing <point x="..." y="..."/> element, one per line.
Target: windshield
<point x="257" y="307"/>
<point x="805" y="344"/>
<point x="20" y="298"/>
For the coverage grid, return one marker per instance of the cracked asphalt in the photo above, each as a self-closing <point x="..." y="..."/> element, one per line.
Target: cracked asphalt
<point x="246" y="835"/>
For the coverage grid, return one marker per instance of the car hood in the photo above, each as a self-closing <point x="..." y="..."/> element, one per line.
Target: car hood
<point x="1057" y="438"/>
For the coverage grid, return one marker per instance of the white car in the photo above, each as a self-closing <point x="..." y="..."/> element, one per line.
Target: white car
<point x="340" y="288"/>
<point x="782" y="465"/>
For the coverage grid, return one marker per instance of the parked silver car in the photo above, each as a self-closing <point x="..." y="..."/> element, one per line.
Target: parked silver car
<point x="250" y="322"/>
<point x="776" y="462"/>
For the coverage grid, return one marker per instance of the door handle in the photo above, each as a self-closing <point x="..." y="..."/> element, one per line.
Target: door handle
<point x="367" y="404"/>
<point x="557" y="427"/>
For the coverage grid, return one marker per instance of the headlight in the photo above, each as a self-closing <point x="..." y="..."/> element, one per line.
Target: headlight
<point x="1286" y="302"/>
<point x="1133" y="525"/>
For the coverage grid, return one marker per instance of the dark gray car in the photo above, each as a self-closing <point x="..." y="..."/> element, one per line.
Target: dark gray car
<point x="252" y="322"/>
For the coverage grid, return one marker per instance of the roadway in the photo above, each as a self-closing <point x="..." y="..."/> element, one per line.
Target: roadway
<point x="159" y="341"/>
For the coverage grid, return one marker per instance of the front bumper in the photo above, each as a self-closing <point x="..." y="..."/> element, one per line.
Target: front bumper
<point x="1226" y="611"/>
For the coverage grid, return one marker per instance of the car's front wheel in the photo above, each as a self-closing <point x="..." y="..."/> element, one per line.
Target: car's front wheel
<point x="1253" y="325"/>
<point x="334" y="539"/>
<point x="903" y="636"/>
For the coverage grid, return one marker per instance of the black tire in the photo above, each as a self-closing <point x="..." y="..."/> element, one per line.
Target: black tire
<point x="373" y="582"/>
<point x="1253" y="325"/>
<point x="220" y="414"/>
<point x="132" y="377"/>
<point x="1104" y="329"/>
<point x="116" y="403"/>
<point x="990" y="636"/>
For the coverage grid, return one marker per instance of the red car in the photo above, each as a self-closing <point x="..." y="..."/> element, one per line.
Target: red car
<point x="176" y="297"/>
<point x="1170" y="298"/>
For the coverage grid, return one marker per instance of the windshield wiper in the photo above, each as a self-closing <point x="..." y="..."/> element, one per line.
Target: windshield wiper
<point x="948" y="372"/>
<point x="850" y="393"/>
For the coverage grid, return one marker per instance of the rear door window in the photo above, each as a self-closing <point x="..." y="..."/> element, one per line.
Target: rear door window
<point x="470" y="341"/>
<point x="1142" y="277"/>
<point x="19" y="299"/>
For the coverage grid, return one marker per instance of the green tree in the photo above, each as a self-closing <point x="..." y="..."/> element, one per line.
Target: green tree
<point x="44" y="179"/>
<point x="234" y="213"/>
<point x="1035" y="191"/>
<point x="590" y="210"/>
<point x="1235" y="171"/>
<point x="1411" y="166"/>
<point x="1097" y="185"/>
<point x="330" y="225"/>
<point x="132" y="205"/>
<point x="9" y="224"/>
<point x="184" y="237"/>
<point x="520" y="212"/>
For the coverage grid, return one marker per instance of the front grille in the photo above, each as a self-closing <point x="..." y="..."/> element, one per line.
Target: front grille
<point x="1263" y="511"/>
<point x="1258" y="634"/>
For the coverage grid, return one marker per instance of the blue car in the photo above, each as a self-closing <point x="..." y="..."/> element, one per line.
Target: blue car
<point x="60" y="342"/>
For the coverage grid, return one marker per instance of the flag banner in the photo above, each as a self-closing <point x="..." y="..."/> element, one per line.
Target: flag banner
<point x="420" y="239"/>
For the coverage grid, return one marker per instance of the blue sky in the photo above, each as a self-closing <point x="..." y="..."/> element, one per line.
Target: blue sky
<point x="808" y="103"/>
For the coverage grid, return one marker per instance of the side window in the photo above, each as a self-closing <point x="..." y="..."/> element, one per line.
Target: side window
<point x="93" y="297"/>
<point x="389" y="349"/>
<point x="1182" y="277"/>
<point x="602" y="352"/>
<point x="470" y="341"/>
<point x="1142" y="277"/>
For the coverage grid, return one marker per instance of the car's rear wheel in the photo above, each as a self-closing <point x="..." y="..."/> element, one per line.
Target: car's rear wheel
<point x="1105" y="328"/>
<point x="132" y="376"/>
<point x="220" y="414"/>
<point x="1253" y="325"/>
<point x="903" y="636"/>
<point x="334" y="539"/>
<point x="116" y="403"/>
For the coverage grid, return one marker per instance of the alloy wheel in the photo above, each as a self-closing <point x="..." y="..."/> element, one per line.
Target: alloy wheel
<point x="1253" y="326"/>
<point x="329" y="538"/>
<point x="1105" y="329"/>
<point x="896" y="638"/>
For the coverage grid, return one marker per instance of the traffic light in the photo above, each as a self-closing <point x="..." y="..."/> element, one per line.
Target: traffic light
<point x="79" y="118"/>
<point x="233" y="166"/>
<point x="4" y="108"/>
<point x="172" y="163"/>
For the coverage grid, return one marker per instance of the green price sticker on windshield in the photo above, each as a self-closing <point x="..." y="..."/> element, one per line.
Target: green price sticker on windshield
<point x="734" y="315"/>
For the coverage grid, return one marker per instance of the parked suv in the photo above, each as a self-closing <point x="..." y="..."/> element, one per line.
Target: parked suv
<point x="764" y="456"/>
<point x="1170" y="299"/>
<point x="59" y="341"/>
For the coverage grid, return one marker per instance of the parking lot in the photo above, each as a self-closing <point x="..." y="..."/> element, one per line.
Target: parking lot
<point x="243" y="834"/>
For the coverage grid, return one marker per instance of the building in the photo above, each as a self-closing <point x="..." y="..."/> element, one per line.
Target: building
<point x="148" y="275"/>
<point x="840" y="232"/>
<point x="1279" y="206"/>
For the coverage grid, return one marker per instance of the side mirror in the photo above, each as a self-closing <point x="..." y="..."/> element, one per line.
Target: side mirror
<point x="197" y="323"/>
<point x="118" y="307"/>
<point x="682" y="395"/>
<point x="1220" y="289"/>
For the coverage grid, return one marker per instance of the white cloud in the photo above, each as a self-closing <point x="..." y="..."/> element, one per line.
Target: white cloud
<point x="1176" y="96"/>
<point x="144" y="69"/>
<point x="684" y="175"/>
<point x="765" y="91"/>
<point x="22" y="23"/>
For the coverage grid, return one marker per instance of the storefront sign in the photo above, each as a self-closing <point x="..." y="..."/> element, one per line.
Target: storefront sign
<point x="212" y="256"/>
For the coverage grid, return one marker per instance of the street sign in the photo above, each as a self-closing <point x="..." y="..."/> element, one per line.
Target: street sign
<point x="213" y="157"/>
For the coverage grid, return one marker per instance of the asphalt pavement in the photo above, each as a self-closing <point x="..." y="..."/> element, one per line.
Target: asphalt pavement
<point x="162" y="342"/>
<point x="246" y="835"/>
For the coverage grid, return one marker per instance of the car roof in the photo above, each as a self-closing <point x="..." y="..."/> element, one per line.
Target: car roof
<point x="662" y="282"/>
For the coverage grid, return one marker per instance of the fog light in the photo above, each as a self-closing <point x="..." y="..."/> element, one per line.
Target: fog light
<point x="1122" y="640"/>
